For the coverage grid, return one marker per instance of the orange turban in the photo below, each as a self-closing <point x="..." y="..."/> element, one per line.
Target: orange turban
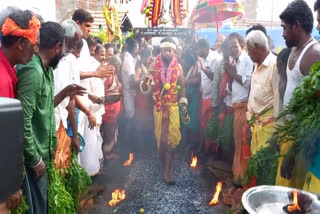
<point x="31" y="33"/>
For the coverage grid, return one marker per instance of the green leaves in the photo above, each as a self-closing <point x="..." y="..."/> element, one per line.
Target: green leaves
<point x="77" y="180"/>
<point x="304" y="107"/>
<point x="64" y="192"/>
<point x="221" y="133"/>
<point x="101" y="35"/>
<point x="213" y="126"/>
<point x="263" y="165"/>
<point x="59" y="199"/>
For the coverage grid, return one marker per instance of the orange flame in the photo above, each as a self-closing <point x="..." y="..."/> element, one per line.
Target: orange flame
<point x="215" y="199"/>
<point x="128" y="162"/>
<point x="117" y="196"/>
<point x="295" y="206"/>
<point x="194" y="162"/>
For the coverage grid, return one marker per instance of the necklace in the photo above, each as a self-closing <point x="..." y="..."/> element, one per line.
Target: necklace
<point x="169" y="81"/>
<point x="166" y="73"/>
<point x="297" y="51"/>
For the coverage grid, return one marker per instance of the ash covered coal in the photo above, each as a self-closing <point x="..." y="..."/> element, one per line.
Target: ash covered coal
<point x="145" y="189"/>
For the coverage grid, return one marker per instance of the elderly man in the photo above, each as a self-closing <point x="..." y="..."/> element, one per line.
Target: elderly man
<point x="68" y="73"/>
<point x="17" y="47"/>
<point x="167" y="77"/>
<point x="109" y="50"/>
<point x="217" y="44"/>
<point x="264" y="100"/>
<point x="35" y="91"/>
<point x="297" y="22"/>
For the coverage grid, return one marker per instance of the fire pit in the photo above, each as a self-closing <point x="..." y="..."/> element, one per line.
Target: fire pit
<point x="277" y="199"/>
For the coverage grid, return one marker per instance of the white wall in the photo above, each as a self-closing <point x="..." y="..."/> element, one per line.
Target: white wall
<point x="46" y="8"/>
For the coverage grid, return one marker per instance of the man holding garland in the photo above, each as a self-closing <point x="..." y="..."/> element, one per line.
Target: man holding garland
<point x="168" y="88"/>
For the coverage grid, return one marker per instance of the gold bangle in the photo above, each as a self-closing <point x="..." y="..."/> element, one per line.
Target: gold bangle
<point x="186" y="120"/>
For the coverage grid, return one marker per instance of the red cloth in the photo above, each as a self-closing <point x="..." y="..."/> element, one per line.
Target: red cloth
<point x="206" y="115"/>
<point x="112" y="112"/>
<point x="252" y="183"/>
<point x="223" y="86"/>
<point x="144" y="112"/>
<point x="144" y="105"/>
<point x="206" y="112"/>
<point x="8" y="78"/>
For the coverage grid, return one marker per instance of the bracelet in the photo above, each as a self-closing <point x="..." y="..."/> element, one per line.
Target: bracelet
<point x="182" y="101"/>
<point x="102" y="99"/>
<point x="186" y="120"/>
<point x="145" y="91"/>
<point x="37" y="163"/>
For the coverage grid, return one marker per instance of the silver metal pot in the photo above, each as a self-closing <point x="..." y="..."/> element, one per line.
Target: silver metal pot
<point x="272" y="199"/>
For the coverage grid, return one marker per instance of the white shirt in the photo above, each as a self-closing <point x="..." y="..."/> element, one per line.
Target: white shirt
<point x="128" y="69"/>
<point x="66" y="73"/>
<point x="244" y="68"/>
<point x="207" y="84"/>
<point x="85" y="52"/>
<point x="94" y="86"/>
<point x="228" y="100"/>
<point x="85" y="59"/>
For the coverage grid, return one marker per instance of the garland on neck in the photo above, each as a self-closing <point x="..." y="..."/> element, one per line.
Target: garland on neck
<point x="168" y="77"/>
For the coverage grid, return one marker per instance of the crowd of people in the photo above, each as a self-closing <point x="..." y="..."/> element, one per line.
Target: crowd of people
<point x="82" y="95"/>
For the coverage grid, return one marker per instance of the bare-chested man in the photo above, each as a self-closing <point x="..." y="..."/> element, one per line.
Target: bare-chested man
<point x="297" y="23"/>
<point x="312" y="180"/>
<point x="167" y="78"/>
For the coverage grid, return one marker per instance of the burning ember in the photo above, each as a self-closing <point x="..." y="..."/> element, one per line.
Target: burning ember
<point x="295" y="206"/>
<point x="301" y="203"/>
<point x="194" y="162"/>
<point x="128" y="162"/>
<point x="215" y="199"/>
<point x="117" y="196"/>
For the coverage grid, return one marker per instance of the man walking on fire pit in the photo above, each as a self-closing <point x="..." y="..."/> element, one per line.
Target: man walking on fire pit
<point x="168" y="87"/>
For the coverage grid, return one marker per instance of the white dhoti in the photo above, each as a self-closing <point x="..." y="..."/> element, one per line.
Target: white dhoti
<point x="91" y="157"/>
<point x="91" y="154"/>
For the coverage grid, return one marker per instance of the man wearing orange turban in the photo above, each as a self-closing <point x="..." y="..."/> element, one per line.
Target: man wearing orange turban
<point x="19" y="38"/>
<point x="18" y="45"/>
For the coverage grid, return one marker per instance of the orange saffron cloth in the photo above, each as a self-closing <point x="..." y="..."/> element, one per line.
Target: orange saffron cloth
<point x="31" y="33"/>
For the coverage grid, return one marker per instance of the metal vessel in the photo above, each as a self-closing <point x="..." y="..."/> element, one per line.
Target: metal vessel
<point x="272" y="199"/>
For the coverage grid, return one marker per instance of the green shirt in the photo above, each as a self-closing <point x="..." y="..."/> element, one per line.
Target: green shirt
<point x="35" y="90"/>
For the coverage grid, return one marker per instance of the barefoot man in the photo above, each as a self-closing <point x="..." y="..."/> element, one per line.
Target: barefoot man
<point x="168" y="95"/>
